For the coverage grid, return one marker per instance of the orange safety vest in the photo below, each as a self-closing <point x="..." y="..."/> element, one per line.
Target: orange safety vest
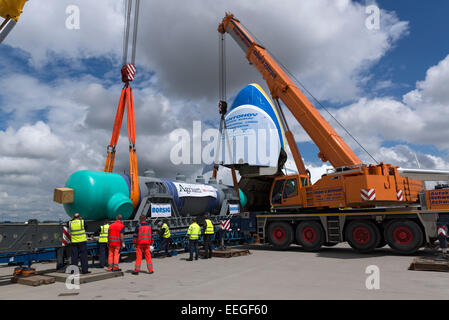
<point x="144" y="235"/>
<point x="114" y="233"/>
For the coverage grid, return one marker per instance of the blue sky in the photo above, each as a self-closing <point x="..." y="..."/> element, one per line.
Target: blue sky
<point x="425" y="44"/>
<point x="424" y="47"/>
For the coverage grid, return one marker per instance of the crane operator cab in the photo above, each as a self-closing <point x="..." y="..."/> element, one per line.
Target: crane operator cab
<point x="285" y="191"/>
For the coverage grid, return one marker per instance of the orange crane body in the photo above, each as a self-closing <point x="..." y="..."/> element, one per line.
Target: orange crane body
<point x="353" y="184"/>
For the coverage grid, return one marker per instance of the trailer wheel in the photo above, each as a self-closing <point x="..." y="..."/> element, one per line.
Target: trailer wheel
<point x="363" y="236"/>
<point x="310" y="235"/>
<point x="404" y="236"/>
<point x="280" y="234"/>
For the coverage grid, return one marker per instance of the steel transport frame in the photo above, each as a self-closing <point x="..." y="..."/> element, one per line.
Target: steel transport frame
<point x="30" y="242"/>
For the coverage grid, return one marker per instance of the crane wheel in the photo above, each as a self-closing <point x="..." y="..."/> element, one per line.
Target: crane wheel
<point x="362" y="235"/>
<point x="404" y="236"/>
<point x="280" y="234"/>
<point x="310" y="235"/>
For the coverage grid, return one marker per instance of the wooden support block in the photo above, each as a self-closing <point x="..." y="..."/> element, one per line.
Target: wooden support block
<point x="34" y="281"/>
<point x="229" y="253"/>
<point x="64" y="195"/>
<point x="429" y="264"/>
<point x="85" y="278"/>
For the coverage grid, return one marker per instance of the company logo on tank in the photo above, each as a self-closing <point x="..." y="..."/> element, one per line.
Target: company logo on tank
<point x="195" y="190"/>
<point x="253" y="138"/>
<point x="234" y="209"/>
<point x="160" y="210"/>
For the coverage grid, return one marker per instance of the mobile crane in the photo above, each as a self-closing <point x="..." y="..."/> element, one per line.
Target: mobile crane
<point x="368" y="206"/>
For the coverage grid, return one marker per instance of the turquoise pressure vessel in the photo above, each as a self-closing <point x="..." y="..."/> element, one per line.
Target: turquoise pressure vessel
<point x="99" y="195"/>
<point x="243" y="198"/>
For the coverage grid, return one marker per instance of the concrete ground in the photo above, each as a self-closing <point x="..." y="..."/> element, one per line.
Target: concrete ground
<point x="332" y="273"/>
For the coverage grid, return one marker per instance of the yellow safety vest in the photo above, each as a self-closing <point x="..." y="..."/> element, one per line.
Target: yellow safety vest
<point x="77" y="232"/>
<point x="167" y="231"/>
<point x="194" y="231"/>
<point x="209" y="227"/>
<point x="104" y="231"/>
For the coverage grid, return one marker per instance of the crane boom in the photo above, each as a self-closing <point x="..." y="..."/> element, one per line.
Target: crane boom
<point x="352" y="183"/>
<point x="332" y="147"/>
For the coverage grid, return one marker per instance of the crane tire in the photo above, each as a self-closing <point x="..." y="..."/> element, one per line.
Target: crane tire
<point x="310" y="235"/>
<point x="280" y="234"/>
<point x="404" y="236"/>
<point x="362" y="235"/>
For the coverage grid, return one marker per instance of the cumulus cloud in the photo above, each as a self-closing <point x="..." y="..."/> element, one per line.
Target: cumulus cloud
<point x="420" y="118"/>
<point x="324" y="42"/>
<point x="30" y="141"/>
<point x="101" y="26"/>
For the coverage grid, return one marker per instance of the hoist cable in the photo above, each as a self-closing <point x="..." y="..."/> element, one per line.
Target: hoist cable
<point x="128" y="4"/>
<point x="136" y="23"/>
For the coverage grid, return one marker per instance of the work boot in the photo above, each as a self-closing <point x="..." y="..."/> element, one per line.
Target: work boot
<point x="189" y="259"/>
<point x="135" y="273"/>
<point x="150" y="272"/>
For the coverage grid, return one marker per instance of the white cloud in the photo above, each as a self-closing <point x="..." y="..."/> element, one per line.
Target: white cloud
<point x="420" y="118"/>
<point x="433" y="90"/>
<point x="324" y="42"/>
<point x="101" y="26"/>
<point x="30" y="141"/>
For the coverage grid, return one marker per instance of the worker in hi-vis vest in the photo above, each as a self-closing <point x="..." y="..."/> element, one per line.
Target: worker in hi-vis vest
<point x="193" y="233"/>
<point x="165" y="235"/>
<point x="78" y="242"/>
<point x="103" y="243"/>
<point x="209" y="231"/>
<point x="142" y="242"/>
<point x="116" y="241"/>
